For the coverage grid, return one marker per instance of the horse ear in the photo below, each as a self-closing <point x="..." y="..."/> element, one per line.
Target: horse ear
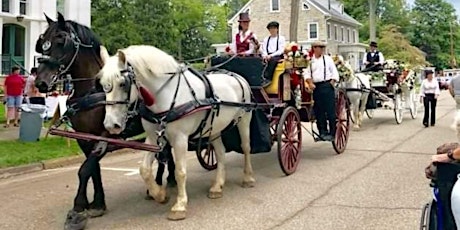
<point x="61" y="21"/>
<point x="104" y="54"/>
<point x="48" y="19"/>
<point x="121" y="56"/>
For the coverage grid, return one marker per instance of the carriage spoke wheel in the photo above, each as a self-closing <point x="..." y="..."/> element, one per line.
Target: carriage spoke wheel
<point x="370" y="113"/>
<point x="343" y="124"/>
<point x="289" y="138"/>
<point x="207" y="158"/>
<point x="398" y="110"/>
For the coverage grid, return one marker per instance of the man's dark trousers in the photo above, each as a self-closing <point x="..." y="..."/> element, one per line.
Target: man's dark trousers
<point x="324" y="107"/>
<point x="271" y="66"/>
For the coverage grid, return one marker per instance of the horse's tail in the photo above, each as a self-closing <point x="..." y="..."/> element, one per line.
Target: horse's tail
<point x="456" y="124"/>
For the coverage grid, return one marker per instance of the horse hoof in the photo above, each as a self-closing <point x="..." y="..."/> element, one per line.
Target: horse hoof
<point x="248" y="184"/>
<point x="148" y="196"/>
<point x="177" y="215"/>
<point x="92" y="213"/>
<point x="75" y="220"/>
<point x="215" y="195"/>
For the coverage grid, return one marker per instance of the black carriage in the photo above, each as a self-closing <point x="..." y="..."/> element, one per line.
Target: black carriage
<point x="289" y="104"/>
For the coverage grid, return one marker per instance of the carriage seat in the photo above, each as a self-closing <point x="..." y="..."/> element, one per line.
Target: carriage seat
<point x="251" y="68"/>
<point x="273" y="88"/>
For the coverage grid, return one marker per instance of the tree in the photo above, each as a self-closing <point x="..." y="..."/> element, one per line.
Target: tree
<point x="396" y="46"/>
<point x="430" y="30"/>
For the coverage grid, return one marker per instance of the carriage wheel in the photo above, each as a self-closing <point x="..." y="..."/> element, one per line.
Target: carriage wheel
<point x="342" y="110"/>
<point x="207" y="158"/>
<point x="429" y="217"/>
<point x="398" y="110"/>
<point x="370" y="113"/>
<point x="289" y="138"/>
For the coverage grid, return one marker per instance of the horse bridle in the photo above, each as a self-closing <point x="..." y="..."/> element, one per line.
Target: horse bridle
<point x="45" y="59"/>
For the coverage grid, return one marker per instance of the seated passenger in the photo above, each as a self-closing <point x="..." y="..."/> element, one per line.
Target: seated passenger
<point x="374" y="59"/>
<point x="245" y="41"/>
<point x="272" y="50"/>
<point x="451" y="156"/>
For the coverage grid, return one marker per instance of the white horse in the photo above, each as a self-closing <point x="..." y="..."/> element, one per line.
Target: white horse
<point x="354" y="83"/>
<point x="163" y="77"/>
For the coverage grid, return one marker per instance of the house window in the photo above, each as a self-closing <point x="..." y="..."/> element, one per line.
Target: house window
<point x="313" y="30"/>
<point x="335" y="33"/>
<point x="305" y="6"/>
<point x="23" y="7"/>
<point x="342" y="34"/>
<point x="328" y="31"/>
<point x="60" y="6"/>
<point x="348" y="35"/>
<point x="275" y="5"/>
<point x="5" y="5"/>
<point x="354" y="36"/>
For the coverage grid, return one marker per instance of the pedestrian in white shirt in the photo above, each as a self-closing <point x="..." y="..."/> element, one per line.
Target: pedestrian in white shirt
<point x="374" y="59"/>
<point x="429" y="92"/>
<point x="272" y="50"/>
<point x="321" y="76"/>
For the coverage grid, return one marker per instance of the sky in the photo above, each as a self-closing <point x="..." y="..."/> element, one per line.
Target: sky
<point x="456" y="4"/>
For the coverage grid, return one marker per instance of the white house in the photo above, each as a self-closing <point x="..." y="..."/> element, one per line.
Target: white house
<point x="318" y="20"/>
<point x="23" y="21"/>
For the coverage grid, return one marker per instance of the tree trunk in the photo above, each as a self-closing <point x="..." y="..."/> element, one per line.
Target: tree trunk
<point x="294" y="20"/>
<point x="372" y="25"/>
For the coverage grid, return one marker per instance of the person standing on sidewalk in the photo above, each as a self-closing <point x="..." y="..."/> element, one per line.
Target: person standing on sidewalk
<point x="13" y="88"/>
<point x="429" y="93"/>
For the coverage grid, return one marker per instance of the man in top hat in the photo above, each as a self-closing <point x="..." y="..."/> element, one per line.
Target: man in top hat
<point x="272" y="50"/>
<point x="245" y="41"/>
<point x="374" y="59"/>
<point x="321" y="76"/>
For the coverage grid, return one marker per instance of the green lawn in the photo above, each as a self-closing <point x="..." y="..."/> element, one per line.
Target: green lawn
<point x="13" y="153"/>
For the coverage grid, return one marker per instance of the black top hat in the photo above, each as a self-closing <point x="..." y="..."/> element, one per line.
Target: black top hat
<point x="428" y="71"/>
<point x="273" y="24"/>
<point x="244" y="17"/>
<point x="374" y="44"/>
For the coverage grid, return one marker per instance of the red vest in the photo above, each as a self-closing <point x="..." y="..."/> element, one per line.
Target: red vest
<point x="242" y="46"/>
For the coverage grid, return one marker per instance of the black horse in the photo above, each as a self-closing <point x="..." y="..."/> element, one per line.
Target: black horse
<point x="70" y="48"/>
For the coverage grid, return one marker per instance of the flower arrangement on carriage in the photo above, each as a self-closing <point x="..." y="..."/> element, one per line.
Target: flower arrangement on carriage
<point x="295" y="56"/>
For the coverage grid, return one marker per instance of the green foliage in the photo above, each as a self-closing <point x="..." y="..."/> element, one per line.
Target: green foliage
<point x="184" y="29"/>
<point x="426" y="26"/>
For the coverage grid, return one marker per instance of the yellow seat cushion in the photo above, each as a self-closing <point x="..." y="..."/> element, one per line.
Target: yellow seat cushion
<point x="273" y="87"/>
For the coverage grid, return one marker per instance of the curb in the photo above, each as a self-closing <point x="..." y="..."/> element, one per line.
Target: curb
<point x="51" y="164"/>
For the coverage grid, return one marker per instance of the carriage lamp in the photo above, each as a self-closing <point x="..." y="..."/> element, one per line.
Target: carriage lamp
<point x="20" y="18"/>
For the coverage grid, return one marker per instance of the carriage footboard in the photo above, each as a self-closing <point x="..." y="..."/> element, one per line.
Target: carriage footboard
<point x="117" y="142"/>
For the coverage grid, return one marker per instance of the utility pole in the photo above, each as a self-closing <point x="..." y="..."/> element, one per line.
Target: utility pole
<point x="294" y="20"/>
<point x="453" y="62"/>
<point x="372" y="26"/>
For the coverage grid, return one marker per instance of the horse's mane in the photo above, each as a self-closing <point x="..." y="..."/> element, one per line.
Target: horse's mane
<point x="84" y="33"/>
<point x="146" y="60"/>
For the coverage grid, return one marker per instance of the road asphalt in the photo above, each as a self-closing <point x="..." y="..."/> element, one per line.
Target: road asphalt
<point x="378" y="183"/>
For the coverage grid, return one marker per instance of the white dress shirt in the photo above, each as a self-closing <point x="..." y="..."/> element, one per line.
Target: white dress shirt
<point x="275" y="46"/>
<point x="242" y="37"/>
<point x="381" y="58"/>
<point x="429" y="87"/>
<point x="316" y="69"/>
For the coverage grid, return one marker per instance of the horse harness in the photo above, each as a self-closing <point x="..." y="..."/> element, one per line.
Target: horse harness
<point x="211" y="103"/>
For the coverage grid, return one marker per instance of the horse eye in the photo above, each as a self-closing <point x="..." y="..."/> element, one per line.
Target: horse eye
<point x="107" y="88"/>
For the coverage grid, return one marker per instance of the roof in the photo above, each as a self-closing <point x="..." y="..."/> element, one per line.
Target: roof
<point x="320" y="5"/>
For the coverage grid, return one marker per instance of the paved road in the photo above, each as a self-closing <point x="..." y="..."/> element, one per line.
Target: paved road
<point x="378" y="183"/>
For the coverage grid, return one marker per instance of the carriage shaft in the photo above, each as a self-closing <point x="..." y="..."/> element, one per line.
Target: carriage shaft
<point x="117" y="142"/>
